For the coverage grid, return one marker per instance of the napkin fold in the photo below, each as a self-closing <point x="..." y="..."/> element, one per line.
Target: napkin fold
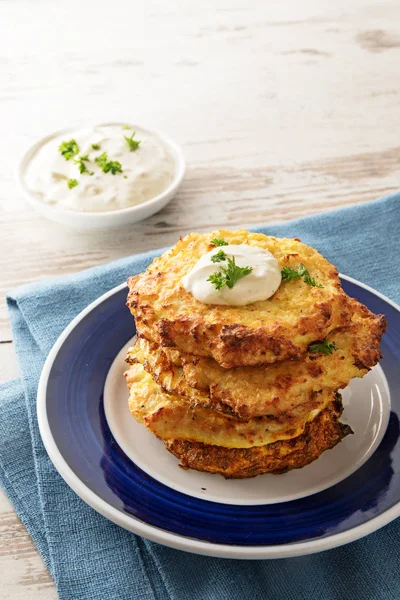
<point x="89" y="557"/>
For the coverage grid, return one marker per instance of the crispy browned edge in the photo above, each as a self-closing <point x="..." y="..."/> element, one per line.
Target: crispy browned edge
<point x="233" y="345"/>
<point x="311" y="403"/>
<point x="366" y="355"/>
<point x="323" y="433"/>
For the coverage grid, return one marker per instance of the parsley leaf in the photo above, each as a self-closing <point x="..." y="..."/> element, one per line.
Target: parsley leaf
<point x="323" y="347"/>
<point x="96" y="146"/>
<point x="229" y="275"/>
<point x="288" y="274"/>
<point x="107" y="166"/>
<point x="80" y="161"/>
<point x="310" y="280"/>
<point x="126" y="127"/>
<point x="72" y="183"/>
<point x="101" y="160"/>
<point x="233" y="273"/>
<point x="132" y="144"/>
<point x="218" y="279"/>
<point x="219" y="242"/>
<point x="114" y="166"/>
<point x="218" y="256"/>
<point x="69" y="149"/>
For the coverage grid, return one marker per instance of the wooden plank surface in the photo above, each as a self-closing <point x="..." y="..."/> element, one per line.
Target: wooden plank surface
<point x="282" y="109"/>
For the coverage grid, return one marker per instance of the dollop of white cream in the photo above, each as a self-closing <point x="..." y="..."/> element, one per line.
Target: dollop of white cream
<point x="260" y="284"/>
<point x="146" y="172"/>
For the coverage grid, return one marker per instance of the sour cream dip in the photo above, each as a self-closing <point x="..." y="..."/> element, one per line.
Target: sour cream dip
<point x="259" y="284"/>
<point x="99" y="169"/>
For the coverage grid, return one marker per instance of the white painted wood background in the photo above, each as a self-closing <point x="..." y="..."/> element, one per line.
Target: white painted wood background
<point x="282" y="108"/>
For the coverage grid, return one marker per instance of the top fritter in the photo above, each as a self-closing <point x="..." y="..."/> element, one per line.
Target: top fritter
<point x="303" y="301"/>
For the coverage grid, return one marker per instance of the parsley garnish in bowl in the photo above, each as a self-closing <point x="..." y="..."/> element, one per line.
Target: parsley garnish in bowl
<point x="80" y="161"/>
<point x="133" y="145"/>
<point x="108" y="166"/>
<point x="69" y="149"/>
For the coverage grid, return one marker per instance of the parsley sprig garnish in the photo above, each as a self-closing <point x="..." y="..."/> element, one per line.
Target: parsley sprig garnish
<point x="133" y="145"/>
<point x="219" y="242"/>
<point x="96" y="146"/>
<point x="218" y="256"/>
<point x="228" y="275"/>
<point x="323" y="347"/>
<point x="288" y="274"/>
<point x="218" y="279"/>
<point x="108" y="166"/>
<point x="80" y="161"/>
<point x="69" y="149"/>
<point x="72" y="183"/>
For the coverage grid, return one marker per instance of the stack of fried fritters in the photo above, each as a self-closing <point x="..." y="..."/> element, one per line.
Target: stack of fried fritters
<point x="246" y="390"/>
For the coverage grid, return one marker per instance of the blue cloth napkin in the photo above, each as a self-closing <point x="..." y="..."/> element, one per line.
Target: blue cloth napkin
<point x="89" y="557"/>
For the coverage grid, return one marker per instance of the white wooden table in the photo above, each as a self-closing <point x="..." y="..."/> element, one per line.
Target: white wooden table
<point x="282" y="108"/>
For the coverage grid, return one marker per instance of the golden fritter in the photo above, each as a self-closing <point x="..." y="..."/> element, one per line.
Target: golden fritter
<point x="321" y="434"/>
<point x="281" y="389"/>
<point x="173" y="417"/>
<point x="263" y="332"/>
<point x="171" y="380"/>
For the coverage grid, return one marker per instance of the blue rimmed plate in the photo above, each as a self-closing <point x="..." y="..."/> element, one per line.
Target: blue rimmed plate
<point x="125" y="473"/>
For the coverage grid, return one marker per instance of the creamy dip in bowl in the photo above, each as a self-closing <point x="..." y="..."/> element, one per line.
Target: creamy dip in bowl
<point x="104" y="176"/>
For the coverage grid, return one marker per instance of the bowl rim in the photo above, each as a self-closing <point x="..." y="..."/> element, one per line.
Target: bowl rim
<point x="27" y="155"/>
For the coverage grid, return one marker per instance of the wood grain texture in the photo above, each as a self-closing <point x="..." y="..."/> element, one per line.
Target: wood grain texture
<point x="23" y="572"/>
<point x="282" y="109"/>
<point x="8" y="362"/>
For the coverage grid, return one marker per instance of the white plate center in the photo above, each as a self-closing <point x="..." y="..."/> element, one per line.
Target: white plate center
<point x="366" y="409"/>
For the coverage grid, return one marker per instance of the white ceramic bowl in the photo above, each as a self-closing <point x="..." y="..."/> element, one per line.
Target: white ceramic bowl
<point x="102" y="220"/>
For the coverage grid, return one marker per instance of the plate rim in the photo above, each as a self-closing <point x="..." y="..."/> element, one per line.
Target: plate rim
<point x="163" y="536"/>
